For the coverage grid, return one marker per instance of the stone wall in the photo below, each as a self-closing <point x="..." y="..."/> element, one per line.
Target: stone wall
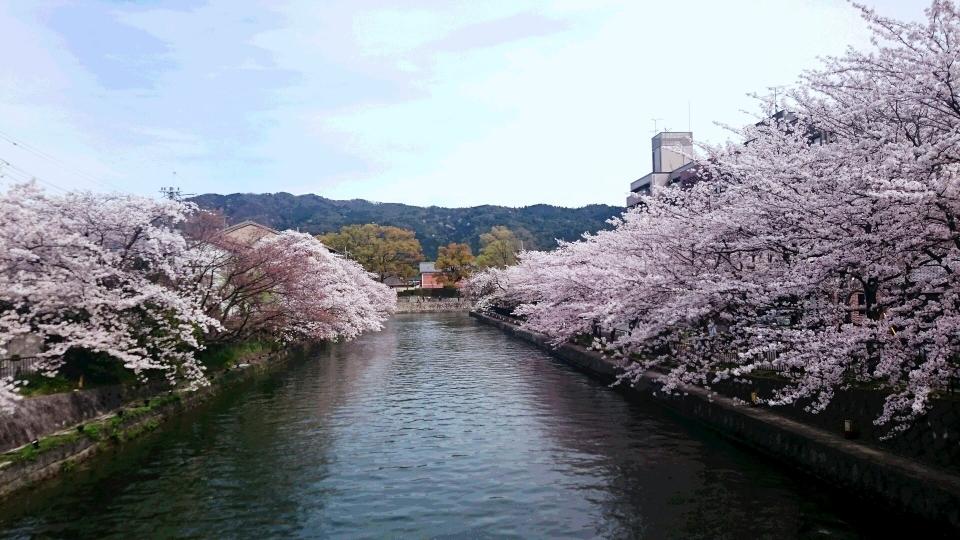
<point x="38" y="416"/>
<point x="413" y="304"/>
<point x="22" y="346"/>
<point x="934" y="439"/>
<point x="928" y="492"/>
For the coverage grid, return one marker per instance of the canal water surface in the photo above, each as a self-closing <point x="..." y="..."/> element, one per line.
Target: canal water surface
<point x="436" y="427"/>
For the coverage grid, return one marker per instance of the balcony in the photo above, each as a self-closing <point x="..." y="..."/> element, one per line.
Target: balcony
<point x="652" y="179"/>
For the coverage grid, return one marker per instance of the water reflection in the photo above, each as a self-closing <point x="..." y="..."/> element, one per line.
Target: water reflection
<point x="435" y="427"/>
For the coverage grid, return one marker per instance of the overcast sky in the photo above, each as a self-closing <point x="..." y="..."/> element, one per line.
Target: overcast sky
<point x="433" y="103"/>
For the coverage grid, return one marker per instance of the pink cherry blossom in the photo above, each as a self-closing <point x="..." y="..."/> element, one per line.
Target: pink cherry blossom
<point x="116" y="274"/>
<point x="824" y="246"/>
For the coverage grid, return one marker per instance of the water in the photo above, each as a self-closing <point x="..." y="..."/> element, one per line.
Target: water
<point x="436" y="427"/>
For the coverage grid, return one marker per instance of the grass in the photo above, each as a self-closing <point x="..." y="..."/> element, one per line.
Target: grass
<point x="80" y="369"/>
<point x="228" y="356"/>
<point x="29" y="453"/>
<point x="116" y="428"/>
<point x="36" y="384"/>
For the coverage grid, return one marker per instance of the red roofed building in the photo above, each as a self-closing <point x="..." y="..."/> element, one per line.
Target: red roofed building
<point x="429" y="276"/>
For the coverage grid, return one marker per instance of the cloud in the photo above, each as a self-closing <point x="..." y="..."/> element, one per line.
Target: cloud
<point x="438" y="103"/>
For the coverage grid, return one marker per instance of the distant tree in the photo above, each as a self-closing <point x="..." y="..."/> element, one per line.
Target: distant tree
<point x="455" y="262"/>
<point x="529" y="242"/>
<point x="384" y="251"/>
<point x="498" y="248"/>
<point x="434" y="226"/>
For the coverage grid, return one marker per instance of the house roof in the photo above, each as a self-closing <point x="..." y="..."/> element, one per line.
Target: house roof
<point x="428" y="267"/>
<point x="394" y="281"/>
<point x="249" y="223"/>
<point x="264" y="228"/>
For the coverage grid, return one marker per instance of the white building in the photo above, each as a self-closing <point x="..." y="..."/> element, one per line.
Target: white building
<point x="672" y="153"/>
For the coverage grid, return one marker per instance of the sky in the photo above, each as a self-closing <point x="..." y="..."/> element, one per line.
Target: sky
<point x="440" y="103"/>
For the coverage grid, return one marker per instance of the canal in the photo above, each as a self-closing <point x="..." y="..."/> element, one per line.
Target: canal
<point x="436" y="427"/>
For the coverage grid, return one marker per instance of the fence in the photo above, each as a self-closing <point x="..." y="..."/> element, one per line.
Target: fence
<point x="15" y="367"/>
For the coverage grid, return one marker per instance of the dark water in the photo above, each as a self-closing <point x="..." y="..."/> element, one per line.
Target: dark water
<point x="435" y="427"/>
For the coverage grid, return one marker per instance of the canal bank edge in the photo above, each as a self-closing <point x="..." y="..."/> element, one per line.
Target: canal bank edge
<point x="927" y="492"/>
<point x="70" y="447"/>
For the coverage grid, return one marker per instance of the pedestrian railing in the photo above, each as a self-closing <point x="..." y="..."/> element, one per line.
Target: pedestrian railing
<point x="19" y="366"/>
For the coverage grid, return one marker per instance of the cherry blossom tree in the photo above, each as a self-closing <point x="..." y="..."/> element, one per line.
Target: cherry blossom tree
<point x="149" y="282"/>
<point x="284" y="287"/>
<point x="96" y="273"/>
<point x="312" y="294"/>
<point x="824" y="246"/>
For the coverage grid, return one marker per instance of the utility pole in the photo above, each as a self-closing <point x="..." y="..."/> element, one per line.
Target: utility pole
<point x="173" y="193"/>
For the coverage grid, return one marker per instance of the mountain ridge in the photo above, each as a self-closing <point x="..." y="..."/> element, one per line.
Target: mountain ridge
<point x="539" y="224"/>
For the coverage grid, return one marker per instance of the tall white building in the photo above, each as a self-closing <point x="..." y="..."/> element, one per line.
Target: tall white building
<point x="672" y="153"/>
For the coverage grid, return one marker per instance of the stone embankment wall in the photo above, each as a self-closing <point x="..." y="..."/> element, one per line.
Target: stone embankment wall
<point x="412" y="304"/>
<point x="934" y="439"/>
<point x="37" y="416"/>
<point x="928" y="492"/>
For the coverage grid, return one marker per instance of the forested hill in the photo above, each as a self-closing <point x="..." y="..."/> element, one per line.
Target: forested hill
<point x="538" y="224"/>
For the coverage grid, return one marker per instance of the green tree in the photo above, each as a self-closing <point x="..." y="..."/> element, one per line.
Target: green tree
<point x="385" y="251"/>
<point x="498" y="248"/>
<point x="454" y="262"/>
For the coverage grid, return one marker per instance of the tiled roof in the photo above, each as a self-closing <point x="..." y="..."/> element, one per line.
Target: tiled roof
<point x="249" y="223"/>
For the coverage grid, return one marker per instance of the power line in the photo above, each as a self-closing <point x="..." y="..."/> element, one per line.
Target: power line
<point x="9" y="170"/>
<point x="72" y="169"/>
<point x="65" y="166"/>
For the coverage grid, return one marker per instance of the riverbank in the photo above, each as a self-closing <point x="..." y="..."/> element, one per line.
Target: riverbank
<point x="80" y="437"/>
<point x="930" y="493"/>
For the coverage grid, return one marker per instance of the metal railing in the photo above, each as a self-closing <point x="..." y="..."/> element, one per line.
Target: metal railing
<point x="18" y="366"/>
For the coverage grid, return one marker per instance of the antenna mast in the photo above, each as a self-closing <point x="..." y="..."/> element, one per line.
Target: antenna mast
<point x="655" y="125"/>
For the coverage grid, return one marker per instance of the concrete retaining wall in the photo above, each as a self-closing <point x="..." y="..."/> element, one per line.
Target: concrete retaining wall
<point x="933" y="439"/>
<point x="407" y="304"/>
<point x="37" y="416"/>
<point x="931" y="493"/>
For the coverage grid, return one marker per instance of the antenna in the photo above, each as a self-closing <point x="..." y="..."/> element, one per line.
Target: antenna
<point x="655" y="125"/>
<point x="689" y="121"/>
<point x="775" y="90"/>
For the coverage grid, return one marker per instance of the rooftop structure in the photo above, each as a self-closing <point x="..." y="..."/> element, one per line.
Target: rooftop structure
<point x="672" y="156"/>
<point x="429" y="276"/>
<point x="248" y="232"/>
